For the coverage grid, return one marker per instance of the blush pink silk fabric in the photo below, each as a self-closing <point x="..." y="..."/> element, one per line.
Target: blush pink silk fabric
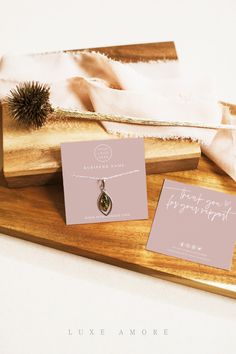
<point x="154" y="90"/>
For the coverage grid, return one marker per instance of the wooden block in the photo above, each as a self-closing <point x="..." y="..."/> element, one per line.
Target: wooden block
<point x="37" y="214"/>
<point x="132" y="53"/>
<point x="33" y="157"/>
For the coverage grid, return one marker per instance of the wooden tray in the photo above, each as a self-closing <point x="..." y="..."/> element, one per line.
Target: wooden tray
<point x="37" y="214"/>
<point x="34" y="158"/>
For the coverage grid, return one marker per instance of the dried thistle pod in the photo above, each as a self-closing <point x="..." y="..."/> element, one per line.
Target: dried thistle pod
<point x="29" y="103"/>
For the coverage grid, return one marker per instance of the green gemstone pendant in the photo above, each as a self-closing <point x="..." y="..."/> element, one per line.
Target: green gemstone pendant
<point x="104" y="201"/>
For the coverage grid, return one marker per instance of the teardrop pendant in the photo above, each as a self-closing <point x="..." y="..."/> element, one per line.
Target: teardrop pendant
<point x="104" y="201"/>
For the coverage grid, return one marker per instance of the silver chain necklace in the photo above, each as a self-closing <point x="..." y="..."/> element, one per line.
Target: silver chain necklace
<point x="104" y="201"/>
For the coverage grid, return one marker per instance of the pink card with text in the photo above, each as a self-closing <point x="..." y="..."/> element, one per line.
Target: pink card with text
<point x="104" y="180"/>
<point x="194" y="223"/>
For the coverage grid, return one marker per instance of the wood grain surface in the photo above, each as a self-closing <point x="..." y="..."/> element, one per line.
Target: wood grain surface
<point x="33" y="157"/>
<point x="37" y="214"/>
<point x="132" y="53"/>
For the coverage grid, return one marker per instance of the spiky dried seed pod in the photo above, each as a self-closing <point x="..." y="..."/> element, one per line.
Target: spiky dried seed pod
<point x="29" y="104"/>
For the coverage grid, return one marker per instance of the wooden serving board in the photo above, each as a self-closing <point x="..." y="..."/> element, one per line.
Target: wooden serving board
<point x="37" y="214"/>
<point x="33" y="158"/>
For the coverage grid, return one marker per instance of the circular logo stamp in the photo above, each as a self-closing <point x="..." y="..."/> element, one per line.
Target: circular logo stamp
<point x="103" y="153"/>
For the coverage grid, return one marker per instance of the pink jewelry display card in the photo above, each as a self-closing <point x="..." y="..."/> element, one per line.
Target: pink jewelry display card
<point x="194" y="223"/>
<point x="104" y="180"/>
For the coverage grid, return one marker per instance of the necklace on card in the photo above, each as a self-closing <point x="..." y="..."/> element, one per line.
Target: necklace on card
<point x="104" y="200"/>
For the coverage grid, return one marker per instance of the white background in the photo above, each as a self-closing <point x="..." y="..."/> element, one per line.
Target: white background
<point x="44" y="292"/>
